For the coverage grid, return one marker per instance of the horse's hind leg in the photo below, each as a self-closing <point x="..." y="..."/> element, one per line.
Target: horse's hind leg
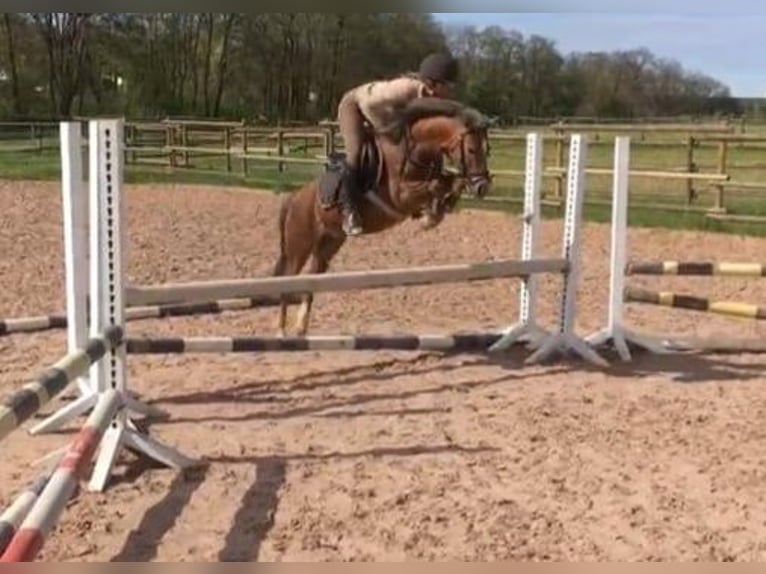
<point x="326" y="249"/>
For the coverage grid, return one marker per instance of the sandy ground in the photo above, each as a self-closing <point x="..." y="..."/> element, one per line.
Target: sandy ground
<point x="393" y="456"/>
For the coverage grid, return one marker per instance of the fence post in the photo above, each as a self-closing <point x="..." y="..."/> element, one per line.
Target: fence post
<point x="227" y="147"/>
<point x="691" y="167"/>
<point x="281" y="148"/>
<point x="170" y="144"/>
<point x="244" y="151"/>
<point x="185" y="144"/>
<point x="560" y="177"/>
<point x="723" y="154"/>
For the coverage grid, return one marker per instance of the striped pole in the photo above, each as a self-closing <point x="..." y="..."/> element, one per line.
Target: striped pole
<point x="51" y="502"/>
<point x="32" y="324"/>
<point x="458" y="342"/>
<point x="24" y="403"/>
<point x="202" y="308"/>
<point x="667" y="299"/>
<point x="346" y="281"/>
<point x="48" y="322"/>
<point x="14" y="515"/>
<point x="696" y="268"/>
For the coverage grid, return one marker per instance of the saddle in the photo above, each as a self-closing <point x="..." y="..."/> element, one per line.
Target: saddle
<point x="368" y="175"/>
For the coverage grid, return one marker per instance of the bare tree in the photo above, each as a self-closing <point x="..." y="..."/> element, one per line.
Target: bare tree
<point x="223" y="62"/>
<point x="64" y="34"/>
<point x="18" y="107"/>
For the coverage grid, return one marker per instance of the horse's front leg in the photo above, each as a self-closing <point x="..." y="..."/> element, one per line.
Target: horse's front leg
<point x="445" y="197"/>
<point x="319" y="263"/>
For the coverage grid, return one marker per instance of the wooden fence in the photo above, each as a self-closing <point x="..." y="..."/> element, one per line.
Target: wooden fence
<point x="238" y="149"/>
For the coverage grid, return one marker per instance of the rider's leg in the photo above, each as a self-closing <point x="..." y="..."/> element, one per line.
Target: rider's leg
<point x="351" y="127"/>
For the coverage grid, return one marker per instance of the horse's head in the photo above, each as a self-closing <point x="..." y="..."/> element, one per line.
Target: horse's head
<point x="444" y="129"/>
<point x="468" y="149"/>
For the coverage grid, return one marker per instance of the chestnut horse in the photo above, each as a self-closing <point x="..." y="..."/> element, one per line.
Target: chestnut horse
<point x="409" y="178"/>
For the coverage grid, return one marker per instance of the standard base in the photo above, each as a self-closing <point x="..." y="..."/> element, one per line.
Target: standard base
<point x="122" y="433"/>
<point x="620" y="338"/>
<point x="529" y="333"/>
<point x="563" y="342"/>
<point x="85" y="403"/>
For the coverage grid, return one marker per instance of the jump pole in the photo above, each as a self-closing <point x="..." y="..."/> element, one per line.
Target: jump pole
<point x="615" y="332"/>
<point x="462" y="342"/>
<point x="697" y="268"/>
<point x="49" y="504"/>
<point x="343" y="281"/>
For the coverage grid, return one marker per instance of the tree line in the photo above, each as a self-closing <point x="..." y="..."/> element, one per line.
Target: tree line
<point x="287" y="67"/>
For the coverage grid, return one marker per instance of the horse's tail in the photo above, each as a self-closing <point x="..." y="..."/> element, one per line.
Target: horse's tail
<point x="281" y="263"/>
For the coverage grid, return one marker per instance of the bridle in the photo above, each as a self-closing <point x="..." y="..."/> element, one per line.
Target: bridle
<point x="462" y="172"/>
<point x="436" y="168"/>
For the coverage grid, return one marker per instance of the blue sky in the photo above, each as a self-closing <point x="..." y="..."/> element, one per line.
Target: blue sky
<point x="727" y="46"/>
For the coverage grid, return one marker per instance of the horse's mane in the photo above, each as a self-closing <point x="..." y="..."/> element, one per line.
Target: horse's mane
<point x="428" y="107"/>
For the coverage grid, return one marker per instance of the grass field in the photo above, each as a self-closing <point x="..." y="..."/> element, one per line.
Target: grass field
<point x="667" y="152"/>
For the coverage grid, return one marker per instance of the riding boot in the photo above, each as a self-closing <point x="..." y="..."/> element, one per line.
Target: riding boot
<point x="352" y="221"/>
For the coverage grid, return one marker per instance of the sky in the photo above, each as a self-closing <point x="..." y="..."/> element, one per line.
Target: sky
<point x="726" y="46"/>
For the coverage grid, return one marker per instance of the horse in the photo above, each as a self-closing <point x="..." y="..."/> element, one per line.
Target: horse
<point x="405" y="175"/>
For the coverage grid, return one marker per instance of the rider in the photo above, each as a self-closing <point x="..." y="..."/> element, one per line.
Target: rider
<point x="376" y="102"/>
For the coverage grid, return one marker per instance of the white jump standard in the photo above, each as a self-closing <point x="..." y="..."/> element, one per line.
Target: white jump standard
<point x="527" y="329"/>
<point x="565" y="338"/>
<point x="615" y="333"/>
<point x="106" y="293"/>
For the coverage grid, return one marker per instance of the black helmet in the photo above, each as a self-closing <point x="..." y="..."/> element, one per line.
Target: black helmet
<point x="439" y="67"/>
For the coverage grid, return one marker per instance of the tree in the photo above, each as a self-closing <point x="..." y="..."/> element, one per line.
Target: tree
<point x="65" y="37"/>
<point x="296" y="66"/>
<point x="18" y="106"/>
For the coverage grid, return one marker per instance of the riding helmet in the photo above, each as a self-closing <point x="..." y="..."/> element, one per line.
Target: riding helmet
<point x="439" y="67"/>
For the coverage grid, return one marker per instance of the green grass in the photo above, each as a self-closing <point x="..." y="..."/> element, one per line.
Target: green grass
<point x="746" y="164"/>
<point x="30" y="165"/>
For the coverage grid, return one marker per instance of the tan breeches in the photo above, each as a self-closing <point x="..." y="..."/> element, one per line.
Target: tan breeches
<point x="351" y="127"/>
